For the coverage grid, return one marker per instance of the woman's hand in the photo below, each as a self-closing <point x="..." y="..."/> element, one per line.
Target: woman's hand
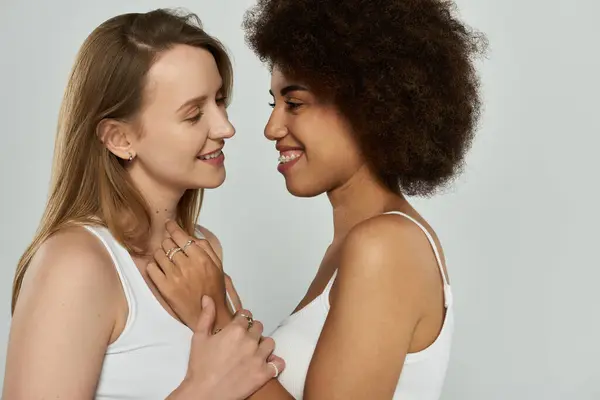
<point x="229" y="365"/>
<point x="186" y="269"/>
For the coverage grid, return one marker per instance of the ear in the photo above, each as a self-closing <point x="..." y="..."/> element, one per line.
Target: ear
<point x="115" y="135"/>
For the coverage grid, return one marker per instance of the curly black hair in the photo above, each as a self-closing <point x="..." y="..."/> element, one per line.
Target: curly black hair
<point x="401" y="71"/>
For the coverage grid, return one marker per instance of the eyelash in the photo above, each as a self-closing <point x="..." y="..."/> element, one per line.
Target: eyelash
<point x="196" y="118"/>
<point x="290" y="105"/>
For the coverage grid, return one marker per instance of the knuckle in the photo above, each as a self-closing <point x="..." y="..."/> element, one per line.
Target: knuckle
<point x="250" y="345"/>
<point x="238" y="331"/>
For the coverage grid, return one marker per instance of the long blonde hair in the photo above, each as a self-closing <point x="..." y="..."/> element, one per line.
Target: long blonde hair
<point x="89" y="184"/>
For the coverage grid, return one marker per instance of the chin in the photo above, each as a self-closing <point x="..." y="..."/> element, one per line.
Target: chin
<point x="299" y="189"/>
<point x="210" y="182"/>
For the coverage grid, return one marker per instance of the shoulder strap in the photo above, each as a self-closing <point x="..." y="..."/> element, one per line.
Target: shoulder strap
<point x="447" y="294"/>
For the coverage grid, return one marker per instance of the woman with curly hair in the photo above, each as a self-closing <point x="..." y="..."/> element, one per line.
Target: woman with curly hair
<point x="374" y="101"/>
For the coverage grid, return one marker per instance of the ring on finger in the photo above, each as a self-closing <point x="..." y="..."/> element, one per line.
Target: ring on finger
<point x="249" y="319"/>
<point x="189" y="243"/>
<point x="276" y="369"/>
<point x="172" y="252"/>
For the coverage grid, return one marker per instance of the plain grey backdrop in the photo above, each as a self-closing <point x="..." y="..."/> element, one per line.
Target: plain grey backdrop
<point x="519" y="227"/>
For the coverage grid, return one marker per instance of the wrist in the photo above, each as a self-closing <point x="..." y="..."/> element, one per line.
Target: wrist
<point x="224" y="316"/>
<point x="195" y="390"/>
<point x="189" y="390"/>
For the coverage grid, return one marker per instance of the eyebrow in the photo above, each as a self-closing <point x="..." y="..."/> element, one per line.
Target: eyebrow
<point x="290" y="88"/>
<point x="198" y="100"/>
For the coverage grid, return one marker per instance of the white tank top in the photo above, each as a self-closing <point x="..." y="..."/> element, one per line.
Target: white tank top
<point x="150" y="358"/>
<point x="423" y="372"/>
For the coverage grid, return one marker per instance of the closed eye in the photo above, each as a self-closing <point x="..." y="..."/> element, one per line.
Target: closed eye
<point x="196" y="117"/>
<point x="290" y="105"/>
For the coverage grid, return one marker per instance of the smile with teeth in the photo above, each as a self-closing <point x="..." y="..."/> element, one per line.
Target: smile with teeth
<point x="211" y="155"/>
<point x="287" y="156"/>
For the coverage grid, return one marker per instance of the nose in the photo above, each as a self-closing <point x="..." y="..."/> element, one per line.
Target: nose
<point x="275" y="128"/>
<point x="221" y="128"/>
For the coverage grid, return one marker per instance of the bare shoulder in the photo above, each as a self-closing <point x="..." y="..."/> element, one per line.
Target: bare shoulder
<point x="212" y="239"/>
<point x="65" y="315"/>
<point x="389" y="249"/>
<point x="72" y="262"/>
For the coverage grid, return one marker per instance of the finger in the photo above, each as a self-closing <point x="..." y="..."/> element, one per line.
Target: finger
<point x="206" y="321"/>
<point x="168" y="245"/>
<point x="174" y="229"/>
<point x="239" y="319"/>
<point x="257" y="330"/>
<point x="275" y="367"/>
<point x="156" y="274"/>
<point x="274" y="357"/>
<point x="180" y="237"/>
<point x="164" y="263"/>
<point x="266" y="348"/>
<point x="177" y="255"/>
<point x="208" y="250"/>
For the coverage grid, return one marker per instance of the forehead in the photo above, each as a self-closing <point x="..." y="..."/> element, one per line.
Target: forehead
<point x="278" y="79"/>
<point x="183" y="72"/>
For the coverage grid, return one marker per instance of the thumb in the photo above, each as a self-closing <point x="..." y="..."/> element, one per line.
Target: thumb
<point x="206" y="320"/>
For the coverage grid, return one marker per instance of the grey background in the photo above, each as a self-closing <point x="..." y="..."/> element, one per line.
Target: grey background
<point x="519" y="227"/>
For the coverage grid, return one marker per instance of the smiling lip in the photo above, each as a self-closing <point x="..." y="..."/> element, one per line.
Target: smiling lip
<point x="210" y="152"/>
<point x="283" y="167"/>
<point x="215" y="158"/>
<point x="282" y="148"/>
<point x="288" y="157"/>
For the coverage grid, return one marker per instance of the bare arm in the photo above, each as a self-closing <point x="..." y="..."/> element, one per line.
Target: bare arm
<point x="239" y="364"/>
<point x="376" y="305"/>
<point x="63" y="321"/>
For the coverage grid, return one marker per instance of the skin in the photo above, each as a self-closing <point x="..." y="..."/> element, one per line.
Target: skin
<point x="387" y="299"/>
<point x="71" y="305"/>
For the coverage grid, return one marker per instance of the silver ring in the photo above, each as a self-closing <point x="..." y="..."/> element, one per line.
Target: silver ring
<point x="276" y="369"/>
<point x="172" y="252"/>
<point x="189" y="242"/>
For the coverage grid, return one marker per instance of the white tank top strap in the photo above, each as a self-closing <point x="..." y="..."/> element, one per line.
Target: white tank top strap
<point x="124" y="276"/>
<point x="327" y="290"/>
<point x="447" y="291"/>
<point x="150" y="357"/>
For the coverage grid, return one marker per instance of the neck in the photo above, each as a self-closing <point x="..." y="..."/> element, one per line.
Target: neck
<point x="162" y="204"/>
<point x="359" y="199"/>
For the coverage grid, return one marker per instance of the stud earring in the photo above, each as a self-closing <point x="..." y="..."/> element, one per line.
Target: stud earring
<point x="130" y="157"/>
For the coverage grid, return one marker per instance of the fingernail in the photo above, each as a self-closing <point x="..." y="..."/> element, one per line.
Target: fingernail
<point x="204" y="301"/>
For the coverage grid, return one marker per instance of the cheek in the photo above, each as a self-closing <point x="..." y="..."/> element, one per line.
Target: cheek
<point x="172" y="147"/>
<point x="329" y="164"/>
<point x="337" y="154"/>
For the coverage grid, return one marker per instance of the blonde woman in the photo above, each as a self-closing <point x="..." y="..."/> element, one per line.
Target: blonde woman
<point x="141" y="134"/>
